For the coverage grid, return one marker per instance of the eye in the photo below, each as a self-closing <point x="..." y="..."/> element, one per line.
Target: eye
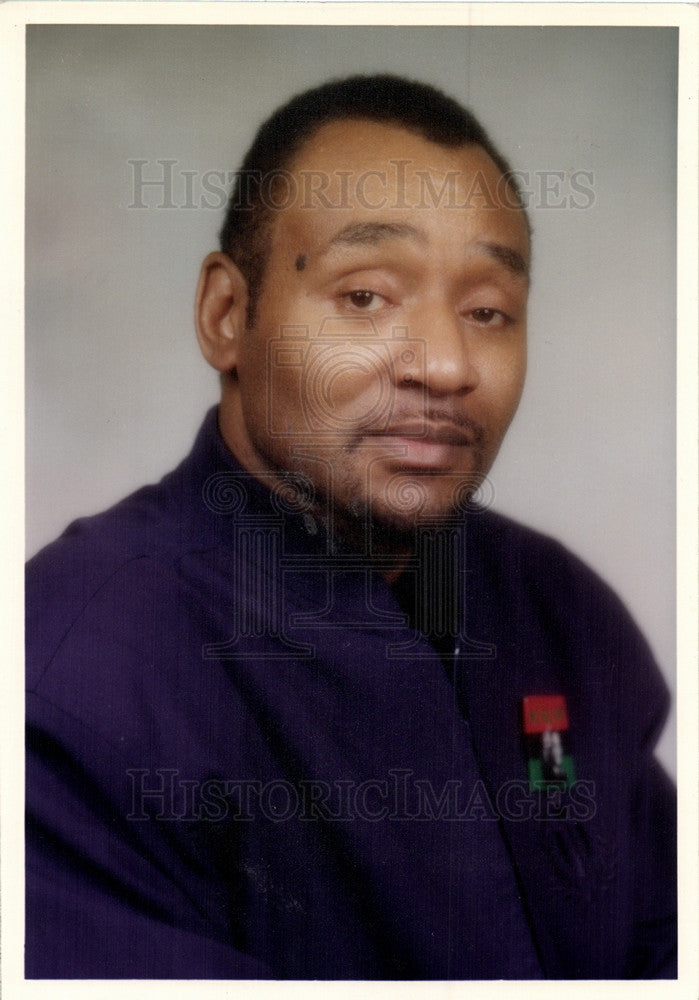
<point x="489" y="317"/>
<point x="363" y="298"/>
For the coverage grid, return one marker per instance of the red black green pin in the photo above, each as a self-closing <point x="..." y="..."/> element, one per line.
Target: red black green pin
<point x="546" y="736"/>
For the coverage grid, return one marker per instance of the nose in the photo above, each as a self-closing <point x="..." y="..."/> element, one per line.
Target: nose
<point x="442" y="359"/>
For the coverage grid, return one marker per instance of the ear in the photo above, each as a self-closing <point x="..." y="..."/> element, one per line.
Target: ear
<point x="220" y="311"/>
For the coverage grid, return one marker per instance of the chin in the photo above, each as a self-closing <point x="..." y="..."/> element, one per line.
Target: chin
<point x="404" y="521"/>
<point x="393" y="525"/>
<point x="414" y="501"/>
<point x="393" y="511"/>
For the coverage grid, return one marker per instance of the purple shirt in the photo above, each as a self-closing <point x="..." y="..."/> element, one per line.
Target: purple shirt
<point x="243" y="761"/>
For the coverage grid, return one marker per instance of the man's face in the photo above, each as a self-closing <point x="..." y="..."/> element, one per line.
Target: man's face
<point x="387" y="354"/>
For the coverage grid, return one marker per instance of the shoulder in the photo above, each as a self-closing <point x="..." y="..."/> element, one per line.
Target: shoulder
<point x="112" y="631"/>
<point x="537" y="566"/>
<point x="554" y="607"/>
<point x="108" y="569"/>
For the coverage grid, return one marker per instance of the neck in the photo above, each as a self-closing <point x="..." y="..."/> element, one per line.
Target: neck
<point x="388" y="549"/>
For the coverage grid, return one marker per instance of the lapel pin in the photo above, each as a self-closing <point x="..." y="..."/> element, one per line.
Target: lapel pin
<point x="546" y="737"/>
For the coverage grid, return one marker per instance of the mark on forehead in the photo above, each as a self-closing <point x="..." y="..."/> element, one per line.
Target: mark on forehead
<point x="300" y="262"/>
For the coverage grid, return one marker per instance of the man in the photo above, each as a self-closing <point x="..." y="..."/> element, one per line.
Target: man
<point x="287" y="709"/>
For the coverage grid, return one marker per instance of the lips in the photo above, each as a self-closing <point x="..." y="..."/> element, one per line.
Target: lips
<point x="424" y="445"/>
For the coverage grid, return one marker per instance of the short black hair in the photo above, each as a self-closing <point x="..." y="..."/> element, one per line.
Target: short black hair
<point x="393" y="100"/>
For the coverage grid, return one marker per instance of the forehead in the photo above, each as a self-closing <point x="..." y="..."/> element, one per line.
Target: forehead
<point x="353" y="169"/>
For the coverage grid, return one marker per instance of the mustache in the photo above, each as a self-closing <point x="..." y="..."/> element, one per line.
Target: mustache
<point x="443" y="424"/>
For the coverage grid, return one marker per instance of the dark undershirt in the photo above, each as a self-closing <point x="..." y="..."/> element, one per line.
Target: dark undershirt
<point x="427" y="593"/>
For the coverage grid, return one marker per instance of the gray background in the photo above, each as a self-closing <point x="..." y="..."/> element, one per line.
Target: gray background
<point x="115" y="385"/>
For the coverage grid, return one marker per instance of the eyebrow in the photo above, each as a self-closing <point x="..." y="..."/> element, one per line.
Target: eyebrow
<point x="510" y="258"/>
<point x="372" y="233"/>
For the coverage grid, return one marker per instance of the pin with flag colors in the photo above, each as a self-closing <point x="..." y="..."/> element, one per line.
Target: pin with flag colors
<point x="545" y="718"/>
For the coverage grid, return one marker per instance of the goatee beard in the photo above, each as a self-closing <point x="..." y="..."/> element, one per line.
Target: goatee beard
<point x="360" y="528"/>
